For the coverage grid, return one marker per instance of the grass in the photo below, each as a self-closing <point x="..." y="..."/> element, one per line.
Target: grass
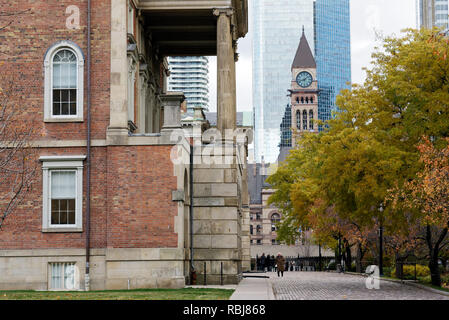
<point x="146" y="294"/>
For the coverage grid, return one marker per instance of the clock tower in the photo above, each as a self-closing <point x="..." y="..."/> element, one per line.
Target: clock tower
<point x="304" y="91"/>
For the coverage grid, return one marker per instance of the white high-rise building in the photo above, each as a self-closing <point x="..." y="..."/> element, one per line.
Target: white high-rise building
<point x="433" y="13"/>
<point x="191" y="76"/>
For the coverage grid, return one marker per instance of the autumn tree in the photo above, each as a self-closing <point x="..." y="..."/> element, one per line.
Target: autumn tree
<point x="427" y="195"/>
<point x="17" y="161"/>
<point x="370" y="145"/>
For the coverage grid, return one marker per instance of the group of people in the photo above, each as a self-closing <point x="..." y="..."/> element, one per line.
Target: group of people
<point x="278" y="264"/>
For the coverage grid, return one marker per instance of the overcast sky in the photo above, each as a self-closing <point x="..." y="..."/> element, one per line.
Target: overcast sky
<point x="367" y="16"/>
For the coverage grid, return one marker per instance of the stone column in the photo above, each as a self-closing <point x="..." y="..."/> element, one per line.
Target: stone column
<point x="226" y="117"/>
<point x="171" y="103"/>
<point x="118" y="124"/>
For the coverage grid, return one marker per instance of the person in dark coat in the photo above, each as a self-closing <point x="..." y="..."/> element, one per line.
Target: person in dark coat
<point x="268" y="263"/>
<point x="263" y="261"/>
<point x="280" y="263"/>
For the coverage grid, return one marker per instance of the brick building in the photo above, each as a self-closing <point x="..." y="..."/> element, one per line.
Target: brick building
<point x="110" y="209"/>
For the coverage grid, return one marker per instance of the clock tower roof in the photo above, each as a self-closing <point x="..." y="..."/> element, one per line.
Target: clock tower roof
<point x="304" y="57"/>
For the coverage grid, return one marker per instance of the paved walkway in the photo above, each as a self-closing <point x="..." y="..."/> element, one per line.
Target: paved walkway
<point x="326" y="286"/>
<point x="335" y="286"/>
<point x="254" y="289"/>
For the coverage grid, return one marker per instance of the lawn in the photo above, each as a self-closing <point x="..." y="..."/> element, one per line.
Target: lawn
<point x="147" y="294"/>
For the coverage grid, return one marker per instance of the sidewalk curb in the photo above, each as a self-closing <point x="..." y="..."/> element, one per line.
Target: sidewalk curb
<point x="270" y="289"/>
<point x="405" y="282"/>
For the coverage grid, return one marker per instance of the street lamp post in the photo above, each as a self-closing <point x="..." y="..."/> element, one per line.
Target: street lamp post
<point x="381" y="250"/>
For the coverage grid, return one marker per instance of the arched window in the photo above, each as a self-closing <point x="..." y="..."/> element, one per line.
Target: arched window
<point x="311" y="100"/>
<point x="304" y="120"/>
<point x="307" y="99"/>
<point x="64" y="82"/>
<point x="302" y="100"/>
<point x="298" y="119"/>
<point x="297" y="99"/>
<point x="311" y="120"/>
<point x="275" y="219"/>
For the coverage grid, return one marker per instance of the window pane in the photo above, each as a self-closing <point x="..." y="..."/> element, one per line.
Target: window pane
<point x="55" y="212"/>
<point x="63" y="211"/>
<point x="64" y="95"/>
<point x="63" y="184"/>
<point x="72" y="79"/>
<point x="56" y="276"/>
<point x="71" y="211"/>
<point x="69" y="276"/>
<point x="56" y="108"/>
<point x="56" y="76"/>
<point x="73" y="108"/>
<point x="65" y="109"/>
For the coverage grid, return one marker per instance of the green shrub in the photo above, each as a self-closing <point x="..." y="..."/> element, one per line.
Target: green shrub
<point x="409" y="271"/>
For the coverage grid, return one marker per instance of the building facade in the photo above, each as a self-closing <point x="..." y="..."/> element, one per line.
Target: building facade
<point x="332" y="53"/>
<point x="432" y="13"/>
<point x="114" y="194"/>
<point x="190" y="75"/>
<point x="276" y="28"/>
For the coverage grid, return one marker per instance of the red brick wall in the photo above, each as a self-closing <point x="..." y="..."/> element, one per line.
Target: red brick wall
<point x="140" y="207"/>
<point x="26" y="41"/>
<point x="131" y="203"/>
<point x="23" y="228"/>
<point x="131" y="186"/>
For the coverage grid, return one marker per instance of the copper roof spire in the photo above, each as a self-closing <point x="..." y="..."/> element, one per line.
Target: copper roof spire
<point x="304" y="57"/>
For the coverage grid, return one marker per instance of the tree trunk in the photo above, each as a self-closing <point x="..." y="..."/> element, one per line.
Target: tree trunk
<point x="435" y="271"/>
<point x="358" y="259"/>
<point x="434" y="250"/>
<point x="399" y="266"/>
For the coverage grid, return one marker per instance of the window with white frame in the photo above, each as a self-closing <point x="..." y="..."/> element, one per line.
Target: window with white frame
<point x="62" y="193"/>
<point x="63" y="276"/>
<point x="64" y="83"/>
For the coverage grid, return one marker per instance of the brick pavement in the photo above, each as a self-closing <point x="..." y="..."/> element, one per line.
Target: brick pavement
<point x="334" y="286"/>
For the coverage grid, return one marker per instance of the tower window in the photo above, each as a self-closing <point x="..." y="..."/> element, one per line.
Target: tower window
<point x="311" y="120"/>
<point x="304" y="120"/>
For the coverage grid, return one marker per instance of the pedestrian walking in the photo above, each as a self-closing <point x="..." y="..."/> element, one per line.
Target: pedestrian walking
<point x="280" y="264"/>
<point x="263" y="261"/>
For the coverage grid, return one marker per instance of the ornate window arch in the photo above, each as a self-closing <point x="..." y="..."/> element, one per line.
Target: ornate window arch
<point x="64" y="83"/>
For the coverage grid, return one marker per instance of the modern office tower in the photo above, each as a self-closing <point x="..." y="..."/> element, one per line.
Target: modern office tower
<point x="277" y="28"/>
<point x="433" y="13"/>
<point x="332" y="52"/>
<point x="191" y="76"/>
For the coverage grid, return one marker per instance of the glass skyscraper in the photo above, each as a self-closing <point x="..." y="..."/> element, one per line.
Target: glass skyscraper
<point x="332" y="52"/>
<point x="191" y="76"/>
<point x="277" y="28"/>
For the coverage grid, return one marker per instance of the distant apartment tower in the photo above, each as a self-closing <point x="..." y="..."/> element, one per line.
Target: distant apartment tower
<point x="277" y="28"/>
<point x="433" y="13"/>
<point x="191" y="76"/>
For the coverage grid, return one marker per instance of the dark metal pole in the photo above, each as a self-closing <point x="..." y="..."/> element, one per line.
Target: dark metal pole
<point x="381" y="251"/>
<point x="192" y="268"/>
<point x="320" y="263"/>
<point x="88" y="162"/>
<point x="205" y="275"/>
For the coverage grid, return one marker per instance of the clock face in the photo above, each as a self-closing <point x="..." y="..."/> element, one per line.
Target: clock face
<point x="304" y="79"/>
